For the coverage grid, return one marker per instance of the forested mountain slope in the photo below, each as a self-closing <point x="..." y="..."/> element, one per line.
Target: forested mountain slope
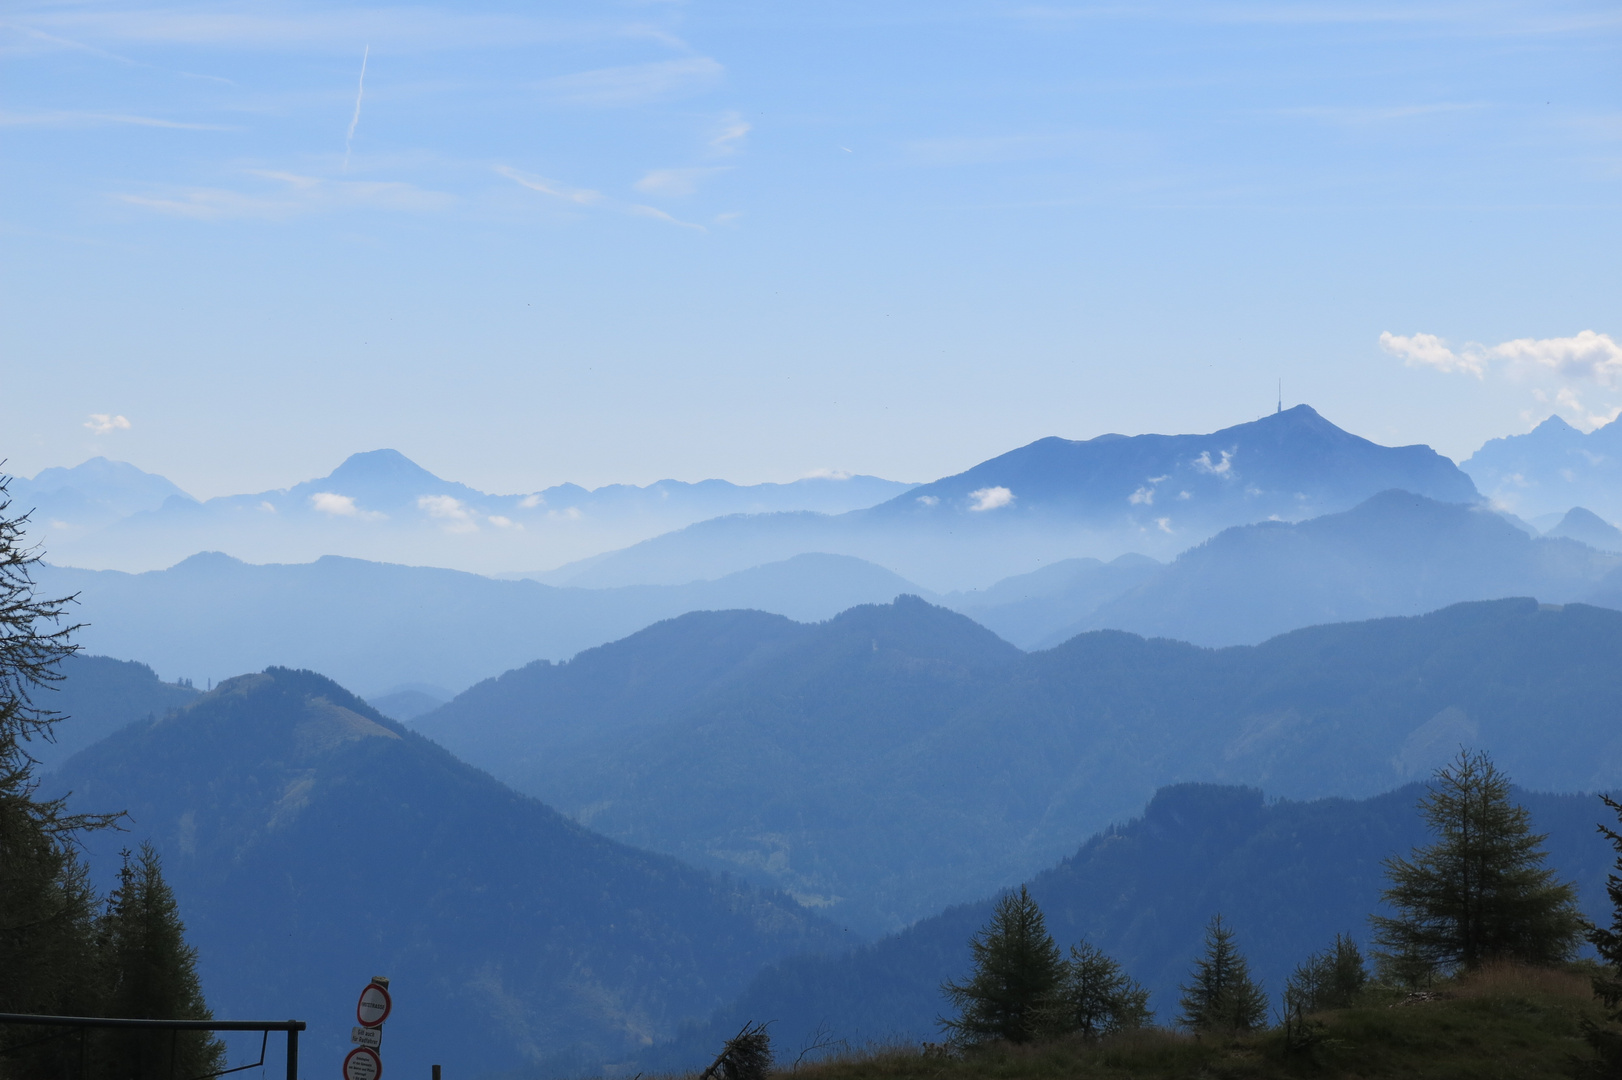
<point x="312" y="843"/>
<point x="900" y="758"/>
<point x="1287" y="876"/>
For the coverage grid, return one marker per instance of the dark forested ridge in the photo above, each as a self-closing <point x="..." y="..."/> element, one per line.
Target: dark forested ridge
<point x="899" y="758"/>
<point x="1286" y="876"/>
<point x="313" y="843"/>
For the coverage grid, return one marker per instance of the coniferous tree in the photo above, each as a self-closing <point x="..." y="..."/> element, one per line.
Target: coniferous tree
<point x="151" y="974"/>
<point x="1331" y="979"/>
<point x="1481" y="891"/>
<point x="1017" y="968"/>
<point x="1607" y="1039"/>
<point x="46" y="905"/>
<point x="1221" y="995"/>
<point x="1095" y="997"/>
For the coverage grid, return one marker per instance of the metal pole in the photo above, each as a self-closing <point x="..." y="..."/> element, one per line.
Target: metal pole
<point x="292" y="1053"/>
<point x="436" y="1072"/>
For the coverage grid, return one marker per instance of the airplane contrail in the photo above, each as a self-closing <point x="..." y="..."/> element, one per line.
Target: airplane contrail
<point x="360" y="91"/>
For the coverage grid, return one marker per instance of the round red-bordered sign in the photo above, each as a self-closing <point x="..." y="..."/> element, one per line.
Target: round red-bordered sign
<point x="363" y="1064"/>
<point x="373" y="1007"/>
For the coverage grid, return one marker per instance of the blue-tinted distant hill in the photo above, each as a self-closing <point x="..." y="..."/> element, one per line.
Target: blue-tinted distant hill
<point x="1286" y="876"/>
<point x="1057" y="499"/>
<point x="1396" y="554"/>
<point x="312" y="843"/>
<point x="1585" y="526"/>
<point x="1551" y="469"/>
<point x="378" y="626"/>
<point x="96" y="696"/>
<point x="901" y="758"/>
<point x="381" y="505"/>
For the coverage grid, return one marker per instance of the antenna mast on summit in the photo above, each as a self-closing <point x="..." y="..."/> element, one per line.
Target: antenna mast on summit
<point x="1281" y="395"/>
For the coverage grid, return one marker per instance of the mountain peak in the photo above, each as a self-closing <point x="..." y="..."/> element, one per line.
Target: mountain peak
<point x="372" y="466"/>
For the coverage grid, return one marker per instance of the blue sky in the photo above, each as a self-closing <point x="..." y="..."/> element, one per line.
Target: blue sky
<point x="618" y="242"/>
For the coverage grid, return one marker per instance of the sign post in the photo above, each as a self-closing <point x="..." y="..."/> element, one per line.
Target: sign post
<point x="374" y="1006"/>
<point x="363" y="1064"/>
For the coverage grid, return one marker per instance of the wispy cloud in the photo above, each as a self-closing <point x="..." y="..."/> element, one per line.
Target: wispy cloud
<point x="291" y="195"/>
<point x="676" y="181"/>
<point x="336" y="29"/>
<point x="635" y="84"/>
<point x="1368" y="115"/>
<point x="66" y="119"/>
<point x="579" y="196"/>
<point x="588" y="197"/>
<point x="106" y="423"/>
<point x="354" y="121"/>
<point x="734" y="129"/>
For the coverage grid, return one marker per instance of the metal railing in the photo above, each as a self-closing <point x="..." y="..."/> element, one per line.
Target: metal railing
<point x="292" y="1027"/>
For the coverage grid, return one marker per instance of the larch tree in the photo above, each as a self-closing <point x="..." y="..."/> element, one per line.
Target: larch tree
<point x="1606" y="1039"/>
<point x="151" y="974"/>
<point x="1095" y="997"/>
<point x="1220" y="994"/>
<point x="1480" y="892"/>
<point x="1017" y="969"/>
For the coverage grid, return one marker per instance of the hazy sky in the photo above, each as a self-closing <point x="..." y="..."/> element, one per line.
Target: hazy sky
<point x="622" y="241"/>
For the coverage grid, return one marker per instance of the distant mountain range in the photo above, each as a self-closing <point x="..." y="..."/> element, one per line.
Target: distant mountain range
<point x="384" y="628"/>
<point x="313" y="843"/>
<point x="381" y="505"/>
<point x="1396" y="554"/>
<point x="1057" y="499"/>
<point x="1551" y="469"/>
<point x="900" y="758"/>
<point x="387" y="628"/>
<point x="1286" y="876"/>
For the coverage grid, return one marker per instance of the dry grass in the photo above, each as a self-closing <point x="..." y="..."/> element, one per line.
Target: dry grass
<point x="1505" y="1021"/>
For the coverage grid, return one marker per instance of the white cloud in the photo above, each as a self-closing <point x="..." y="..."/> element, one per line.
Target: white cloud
<point x="929" y="500"/>
<point x="1224" y="467"/>
<point x="1144" y="496"/>
<point x="454" y="512"/>
<point x="826" y="474"/>
<point x="1428" y="350"/>
<point x="675" y="181"/>
<point x="530" y="502"/>
<point x="1588" y="355"/>
<point x="635" y="84"/>
<point x="1164" y="523"/>
<point x="101" y="423"/>
<point x="335" y="505"/>
<point x="504" y="523"/>
<point x="990" y="498"/>
<point x="1588" y="359"/>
